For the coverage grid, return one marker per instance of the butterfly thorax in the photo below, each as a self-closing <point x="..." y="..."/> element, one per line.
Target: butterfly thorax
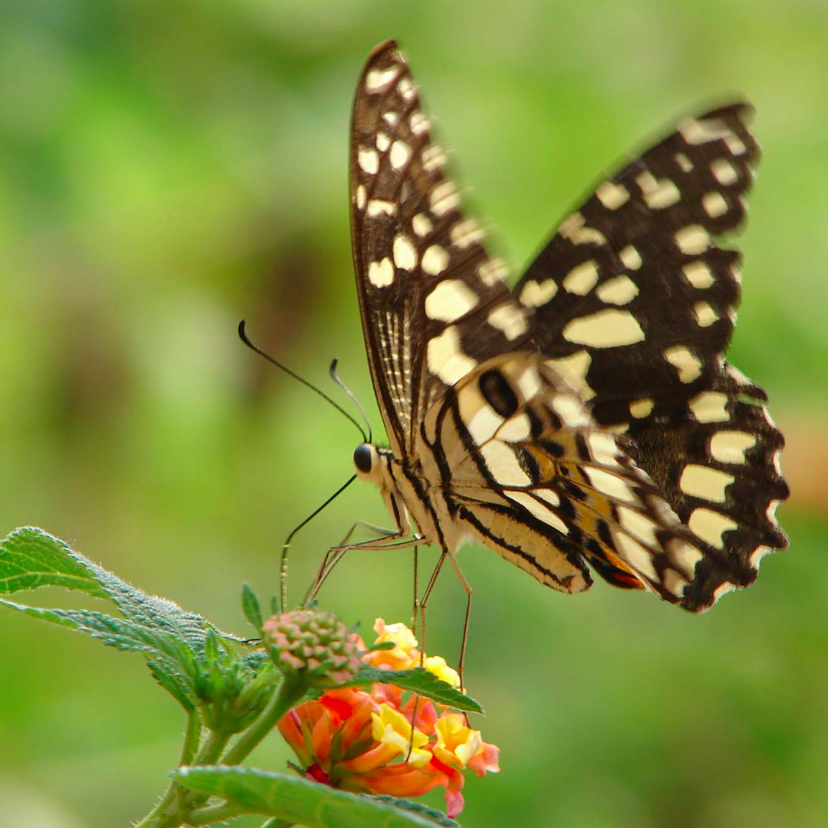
<point x="412" y="495"/>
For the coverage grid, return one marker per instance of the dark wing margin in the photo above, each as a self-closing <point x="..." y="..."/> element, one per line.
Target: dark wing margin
<point x="634" y="303"/>
<point x="433" y="303"/>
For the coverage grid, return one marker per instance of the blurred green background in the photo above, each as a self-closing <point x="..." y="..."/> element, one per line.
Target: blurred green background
<point x="168" y="168"/>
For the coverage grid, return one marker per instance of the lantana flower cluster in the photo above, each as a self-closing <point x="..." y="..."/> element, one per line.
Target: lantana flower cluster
<point x="383" y="740"/>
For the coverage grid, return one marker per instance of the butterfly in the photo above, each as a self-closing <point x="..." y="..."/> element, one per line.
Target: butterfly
<point x="585" y="420"/>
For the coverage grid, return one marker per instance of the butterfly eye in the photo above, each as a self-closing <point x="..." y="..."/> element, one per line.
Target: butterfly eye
<point x="363" y="458"/>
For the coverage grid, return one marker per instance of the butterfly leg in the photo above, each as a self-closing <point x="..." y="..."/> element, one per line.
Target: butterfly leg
<point x="467" y="588"/>
<point x="389" y="539"/>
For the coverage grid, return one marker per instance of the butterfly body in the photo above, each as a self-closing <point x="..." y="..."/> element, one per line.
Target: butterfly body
<point x="586" y="418"/>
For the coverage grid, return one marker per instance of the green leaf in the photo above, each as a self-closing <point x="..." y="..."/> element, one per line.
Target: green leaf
<point x="297" y="800"/>
<point x="30" y="558"/>
<point x="420" y="681"/>
<point x="418" y="808"/>
<point x="168" y="637"/>
<point x="250" y="605"/>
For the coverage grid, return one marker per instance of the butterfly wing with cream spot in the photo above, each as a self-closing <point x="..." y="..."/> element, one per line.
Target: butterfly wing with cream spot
<point x="534" y="479"/>
<point x="635" y="303"/>
<point x="433" y="303"/>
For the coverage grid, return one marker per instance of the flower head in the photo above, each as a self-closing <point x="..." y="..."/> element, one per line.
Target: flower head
<point x="384" y="740"/>
<point x="315" y="642"/>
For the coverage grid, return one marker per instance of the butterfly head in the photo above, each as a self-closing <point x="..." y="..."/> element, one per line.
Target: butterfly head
<point x="367" y="463"/>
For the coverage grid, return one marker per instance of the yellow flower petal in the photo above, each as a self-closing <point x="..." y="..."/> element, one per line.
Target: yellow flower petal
<point x="438" y="666"/>
<point x="390" y="727"/>
<point x="455" y="738"/>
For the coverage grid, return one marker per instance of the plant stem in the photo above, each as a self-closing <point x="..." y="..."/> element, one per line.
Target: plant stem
<point x="215" y="813"/>
<point x="289" y="693"/>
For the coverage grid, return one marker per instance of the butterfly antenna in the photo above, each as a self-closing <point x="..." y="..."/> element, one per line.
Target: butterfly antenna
<point x="270" y="359"/>
<point x="336" y="378"/>
<point x="286" y="545"/>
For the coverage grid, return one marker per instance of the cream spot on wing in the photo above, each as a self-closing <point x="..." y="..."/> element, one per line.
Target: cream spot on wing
<point x="692" y="239"/>
<point x="407" y="89"/>
<point x="705" y="315"/>
<point x="710" y="407"/>
<point x="698" y="274"/>
<point x="444" y="197"/>
<point x="605" y="329"/>
<point x="674" y="583"/>
<point x="466" y="232"/>
<point x="611" y="195"/>
<point x="381" y="274"/>
<point x="405" y="254"/>
<point x="433" y="157"/>
<point x="723" y="589"/>
<point x="636" y="524"/>
<point x="734" y="144"/>
<point x="483" y="425"/>
<point x="391" y="118"/>
<point x="582" y="279"/>
<point x="723" y="171"/>
<point x="658" y="194"/>
<point x="641" y="407"/>
<point x="515" y="429"/>
<point x="684" y="162"/>
<point x="684" y="554"/>
<point x="503" y="465"/>
<point x="710" y="526"/>
<point x="534" y="295"/>
<point x="549" y="495"/>
<point x="758" y="554"/>
<point x="634" y="554"/>
<point x="492" y="272"/>
<point x="614" y="487"/>
<point x="730" y="446"/>
<point x="422" y="224"/>
<point x="541" y="512"/>
<point x="400" y="153"/>
<point x="569" y="408"/>
<point x="377" y="207"/>
<point x="508" y="319"/>
<point x="445" y="357"/>
<point x="770" y="512"/>
<point x="529" y="382"/>
<point x="435" y="260"/>
<point x="630" y="257"/>
<point x="360" y="197"/>
<point x="736" y="273"/>
<point x="700" y="132"/>
<point x="419" y="123"/>
<point x="714" y="204"/>
<point x="383" y="141"/>
<point x="685" y="361"/>
<point x="449" y="300"/>
<point x="377" y="80"/>
<point x="574" y="369"/>
<point x="618" y="291"/>
<point x="368" y="159"/>
<point x="575" y="230"/>
<point x="706" y="483"/>
<point x="604" y="448"/>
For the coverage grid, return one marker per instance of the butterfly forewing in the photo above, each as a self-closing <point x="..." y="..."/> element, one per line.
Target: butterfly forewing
<point x="588" y="415"/>
<point x="433" y="302"/>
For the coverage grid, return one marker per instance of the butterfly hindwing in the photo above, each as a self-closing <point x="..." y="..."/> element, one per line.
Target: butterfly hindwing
<point x="536" y="480"/>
